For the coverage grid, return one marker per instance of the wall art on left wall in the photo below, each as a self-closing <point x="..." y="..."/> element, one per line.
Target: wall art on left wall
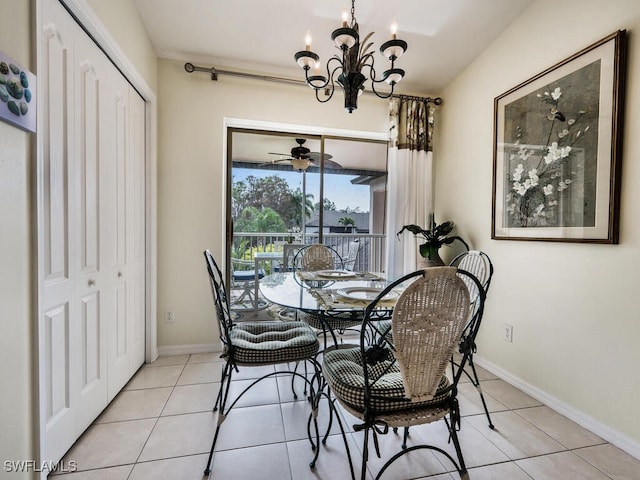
<point x="17" y="94"/>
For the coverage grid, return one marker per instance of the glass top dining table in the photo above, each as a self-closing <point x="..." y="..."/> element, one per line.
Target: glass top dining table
<point x="336" y="290"/>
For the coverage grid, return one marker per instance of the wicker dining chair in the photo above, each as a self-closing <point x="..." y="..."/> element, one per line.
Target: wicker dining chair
<point x="254" y="344"/>
<point x="321" y="257"/>
<point x="388" y="384"/>
<point x="318" y="257"/>
<point x="479" y="264"/>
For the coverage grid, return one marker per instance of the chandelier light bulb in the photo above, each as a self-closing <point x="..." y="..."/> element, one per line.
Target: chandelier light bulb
<point x="345" y="17"/>
<point x="394" y="28"/>
<point x="307" y="40"/>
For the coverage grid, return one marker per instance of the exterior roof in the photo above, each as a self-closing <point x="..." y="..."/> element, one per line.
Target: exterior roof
<point x="332" y="219"/>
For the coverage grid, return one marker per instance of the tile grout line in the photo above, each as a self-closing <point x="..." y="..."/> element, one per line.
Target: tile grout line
<point x="157" y="418"/>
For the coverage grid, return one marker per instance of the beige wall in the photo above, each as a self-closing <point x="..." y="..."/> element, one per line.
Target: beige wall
<point x="573" y="307"/>
<point x="121" y="18"/>
<point x="191" y="177"/>
<point x="17" y="423"/>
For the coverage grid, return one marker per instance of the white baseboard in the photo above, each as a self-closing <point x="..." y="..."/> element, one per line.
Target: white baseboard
<point x="620" y="440"/>
<point x="188" y="349"/>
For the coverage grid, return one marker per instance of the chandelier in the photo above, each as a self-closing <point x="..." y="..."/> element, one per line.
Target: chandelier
<point x="347" y="69"/>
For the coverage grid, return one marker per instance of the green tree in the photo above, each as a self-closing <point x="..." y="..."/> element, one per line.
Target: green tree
<point x="327" y="205"/>
<point x="352" y="210"/>
<point x="253" y="220"/>
<point x="270" y="192"/>
<point x="308" y="203"/>
<point x="347" y="222"/>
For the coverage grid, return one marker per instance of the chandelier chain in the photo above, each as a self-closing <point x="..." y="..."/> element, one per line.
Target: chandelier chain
<point x="353" y="13"/>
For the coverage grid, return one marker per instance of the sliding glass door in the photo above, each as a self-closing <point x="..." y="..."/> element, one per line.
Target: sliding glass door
<point x="301" y="189"/>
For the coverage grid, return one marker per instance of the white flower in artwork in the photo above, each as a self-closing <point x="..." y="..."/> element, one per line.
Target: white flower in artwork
<point x="517" y="173"/>
<point x="541" y="157"/>
<point x="519" y="188"/>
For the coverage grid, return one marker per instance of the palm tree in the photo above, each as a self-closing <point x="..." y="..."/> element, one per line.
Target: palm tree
<point x="347" y="222"/>
<point x="307" y="208"/>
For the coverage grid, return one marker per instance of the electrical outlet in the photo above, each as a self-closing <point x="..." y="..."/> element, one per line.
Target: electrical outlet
<point x="508" y="332"/>
<point x="171" y="316"/>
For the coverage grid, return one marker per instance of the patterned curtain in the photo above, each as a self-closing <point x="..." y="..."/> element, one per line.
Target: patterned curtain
<point x="410" y="182"/>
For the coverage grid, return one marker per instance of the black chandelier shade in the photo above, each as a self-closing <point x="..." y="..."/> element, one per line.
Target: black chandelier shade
<point x="351" y="69"/>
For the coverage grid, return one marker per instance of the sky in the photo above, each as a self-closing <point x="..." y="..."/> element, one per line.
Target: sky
<point x="337" y="188"/>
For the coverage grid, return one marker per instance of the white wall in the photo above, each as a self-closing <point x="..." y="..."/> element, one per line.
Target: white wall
<point x="17" y="422"/>
<point x="573" y="307"/>
<point x="191" y="177"/>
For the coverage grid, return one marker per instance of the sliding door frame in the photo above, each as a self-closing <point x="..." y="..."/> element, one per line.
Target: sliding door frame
<point x="231" y="125"/>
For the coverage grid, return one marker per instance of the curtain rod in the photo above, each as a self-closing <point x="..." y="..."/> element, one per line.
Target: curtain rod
<point x="190" y="68"/>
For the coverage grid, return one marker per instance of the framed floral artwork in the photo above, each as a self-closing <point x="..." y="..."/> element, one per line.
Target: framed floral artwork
<point x="557" y="150"/>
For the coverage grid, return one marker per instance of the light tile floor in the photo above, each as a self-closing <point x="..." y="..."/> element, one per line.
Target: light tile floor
<point x="161" y="425"/>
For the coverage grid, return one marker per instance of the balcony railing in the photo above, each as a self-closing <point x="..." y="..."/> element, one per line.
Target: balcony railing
<point x="371" y="255"/>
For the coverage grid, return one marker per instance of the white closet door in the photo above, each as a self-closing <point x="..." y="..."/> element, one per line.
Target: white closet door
<point x="136" y="238"/>
<point x="116" y="148"/>
<point x="91" y="224"/>
<point x="58" y="313"/>
<point x="91" y="203"/>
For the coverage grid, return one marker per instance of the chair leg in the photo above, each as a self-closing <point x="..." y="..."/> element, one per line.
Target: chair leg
<point x="456" y="443"/>
<point x="225" y="372"/>
<point x="405" y="436"/>
<point x="207" y="470"/>
<point x="476" y="383"/>
<point x="221" y="402"/>
<point x="365" y="454"/>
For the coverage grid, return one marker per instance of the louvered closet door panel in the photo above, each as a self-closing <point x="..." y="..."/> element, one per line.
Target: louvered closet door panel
<point x="91" y="203"/>
<point x="59" y="319"/>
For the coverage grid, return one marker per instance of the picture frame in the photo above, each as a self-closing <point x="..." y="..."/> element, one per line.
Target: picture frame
<point x="17" y="94"/>
<point x="558" y="147"/>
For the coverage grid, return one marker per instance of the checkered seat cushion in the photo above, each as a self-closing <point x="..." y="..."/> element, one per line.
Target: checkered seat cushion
<point x="335" y="321"/>
<point x="343" y="370"/>
<point x="259" y="343"/>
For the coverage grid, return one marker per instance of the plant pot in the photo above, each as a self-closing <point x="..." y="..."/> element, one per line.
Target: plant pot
<point x="434" y="261"/>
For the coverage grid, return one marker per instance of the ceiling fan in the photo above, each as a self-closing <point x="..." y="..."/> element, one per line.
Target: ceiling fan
<point x="302" y="158"/>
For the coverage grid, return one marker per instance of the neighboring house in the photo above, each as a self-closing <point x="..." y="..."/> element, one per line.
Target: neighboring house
<point x="331" y="221"/>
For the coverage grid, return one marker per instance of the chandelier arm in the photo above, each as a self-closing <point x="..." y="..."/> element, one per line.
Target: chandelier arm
<point x="381" y="95"/>
<point x="333" y="89"/>
<point x="311" y="81"/>
<point x="308" y="81"/>
<point x="330" y="80"/>
<point x="372" y="77"/>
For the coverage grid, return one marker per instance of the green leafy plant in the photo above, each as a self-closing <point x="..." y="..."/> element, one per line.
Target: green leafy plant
<point x="435" y="237"/>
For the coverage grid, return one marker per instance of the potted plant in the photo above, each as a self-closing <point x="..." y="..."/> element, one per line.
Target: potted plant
<point x="435" y="237"/>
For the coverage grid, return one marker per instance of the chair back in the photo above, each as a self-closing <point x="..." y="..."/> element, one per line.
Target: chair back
<point x="318" y="257"/>
<point x="428" y="320"/>
<point x="220" y="298"/>
<point x="350" y="262"/>
<point x="289" y="252"/>
<point x="479" y="265"/>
